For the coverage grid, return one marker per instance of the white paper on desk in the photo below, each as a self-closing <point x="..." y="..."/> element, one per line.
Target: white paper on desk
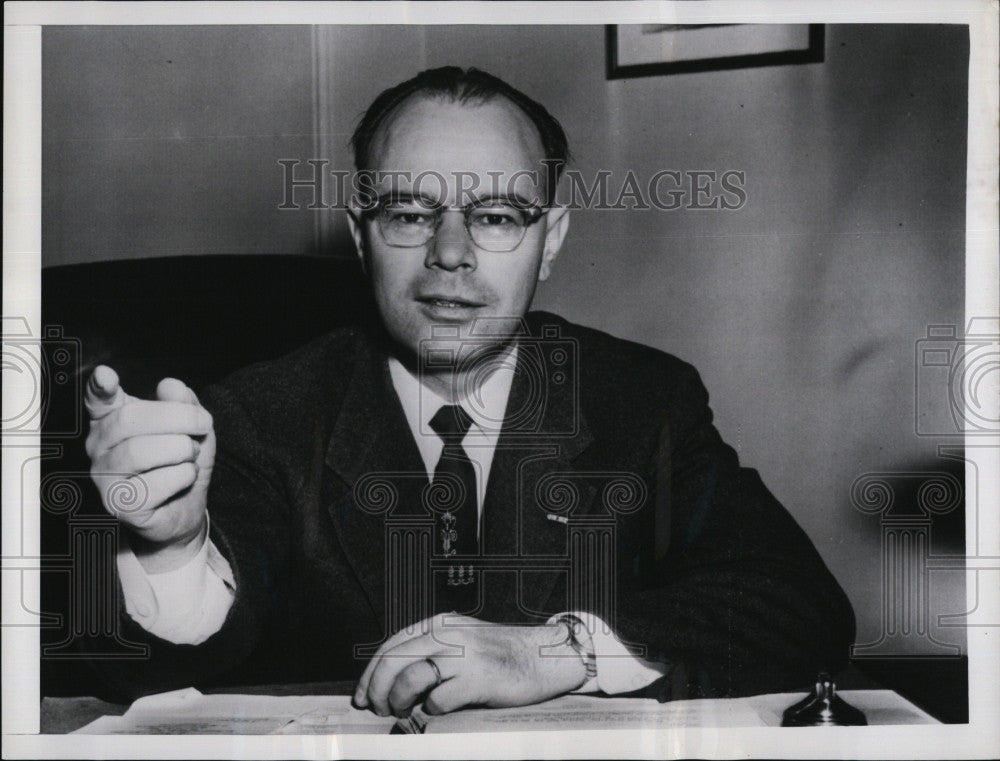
<point x="189" y="712"/>
<point x="575" y="712"/>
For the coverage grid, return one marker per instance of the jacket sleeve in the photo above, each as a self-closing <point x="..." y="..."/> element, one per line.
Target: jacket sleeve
<point x="249" y="526"/>
<point x="739" y="602"/>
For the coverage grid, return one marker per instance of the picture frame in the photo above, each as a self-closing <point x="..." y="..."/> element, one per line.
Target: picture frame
<point x="642" y="50"/>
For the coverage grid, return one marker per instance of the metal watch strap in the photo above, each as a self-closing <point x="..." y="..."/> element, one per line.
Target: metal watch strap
<point x="574" y="625"/>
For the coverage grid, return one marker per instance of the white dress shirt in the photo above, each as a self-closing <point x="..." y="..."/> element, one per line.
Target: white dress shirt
<point x="188" y="605"/>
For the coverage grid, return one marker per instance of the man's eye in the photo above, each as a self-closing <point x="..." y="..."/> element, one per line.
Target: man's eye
<point x="408" y="216"/>
<point x="497" y="217"/>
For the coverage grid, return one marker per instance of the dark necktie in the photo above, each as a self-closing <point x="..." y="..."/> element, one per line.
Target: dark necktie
<point x="457" y="528"/>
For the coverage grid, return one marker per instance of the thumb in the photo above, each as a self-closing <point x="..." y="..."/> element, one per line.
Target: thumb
<point x="104" y="393"/>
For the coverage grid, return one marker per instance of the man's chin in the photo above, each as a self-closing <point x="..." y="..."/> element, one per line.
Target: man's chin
<point x="423" y="342"/>
<point x="431" y="322"/>
<point x="459" y="346"/>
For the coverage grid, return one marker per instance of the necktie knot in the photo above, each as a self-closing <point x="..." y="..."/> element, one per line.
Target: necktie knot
<point x="451" y="423"/>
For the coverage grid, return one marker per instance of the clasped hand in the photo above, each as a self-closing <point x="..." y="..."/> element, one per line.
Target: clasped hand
<point x="480" y="664"/>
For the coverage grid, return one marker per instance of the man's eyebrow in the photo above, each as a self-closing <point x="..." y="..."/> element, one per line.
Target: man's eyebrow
<point x="514" y="199"/>
<point x="396" y="196"/>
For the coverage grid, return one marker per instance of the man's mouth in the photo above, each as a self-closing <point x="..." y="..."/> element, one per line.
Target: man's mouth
<point x="449" y="302"/>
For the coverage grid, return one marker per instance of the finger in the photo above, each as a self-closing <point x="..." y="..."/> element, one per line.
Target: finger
<point x="416" y="630"/>
<point x="428" y="626"/>
<point x="143" y="453"/>
<point x="391" y="664"/>
<point x="411" y="683"/>
<point x="447" y="697"/>
<point x="150" y="490"/>
<point x="383" y="674"/>
<point x="103" y="393"/>
<point x="173" y="390"/>
<point x="142" y="418"/>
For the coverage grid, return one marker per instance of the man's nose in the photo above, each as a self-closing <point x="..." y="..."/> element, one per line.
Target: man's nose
<point x="451" y="248"/>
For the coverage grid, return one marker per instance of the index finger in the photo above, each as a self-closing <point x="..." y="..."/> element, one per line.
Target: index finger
<point x="104" y="393"/>
<point x="144" y="418"/>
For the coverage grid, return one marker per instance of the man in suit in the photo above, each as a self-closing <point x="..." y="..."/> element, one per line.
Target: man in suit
<point x="467" y="503"/>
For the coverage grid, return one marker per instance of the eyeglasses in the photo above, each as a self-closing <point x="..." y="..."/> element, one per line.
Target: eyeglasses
<point x="494" y="225"/>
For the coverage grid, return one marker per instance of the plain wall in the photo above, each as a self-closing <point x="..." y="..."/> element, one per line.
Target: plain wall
<point x="801" y="309"/>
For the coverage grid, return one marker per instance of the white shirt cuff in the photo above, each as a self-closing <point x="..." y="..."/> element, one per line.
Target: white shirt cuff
<point x="185" y="606"/>
<point x="618" y="670"/>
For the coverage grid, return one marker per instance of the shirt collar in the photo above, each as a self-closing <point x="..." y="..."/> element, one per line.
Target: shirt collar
<point x="486" y="405"/>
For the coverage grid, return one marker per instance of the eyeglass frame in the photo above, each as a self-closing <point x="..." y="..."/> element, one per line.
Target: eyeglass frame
<point x="377" y="209"/>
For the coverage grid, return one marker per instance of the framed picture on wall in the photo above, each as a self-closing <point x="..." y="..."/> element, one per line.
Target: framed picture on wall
<point x="641" y="50"/>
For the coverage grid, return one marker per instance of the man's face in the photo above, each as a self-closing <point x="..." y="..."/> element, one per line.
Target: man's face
<point x="450" y="281"/>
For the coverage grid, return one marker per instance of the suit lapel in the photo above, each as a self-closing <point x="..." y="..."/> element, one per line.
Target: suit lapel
<point x="544" y="433"/>
<point x="372" y="451"/>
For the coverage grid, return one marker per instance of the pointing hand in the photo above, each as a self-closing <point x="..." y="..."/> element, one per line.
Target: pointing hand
<point x="152" y="462"/>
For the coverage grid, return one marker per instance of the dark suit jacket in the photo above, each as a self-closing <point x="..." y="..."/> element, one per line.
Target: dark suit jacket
<point x="710" y="573"/>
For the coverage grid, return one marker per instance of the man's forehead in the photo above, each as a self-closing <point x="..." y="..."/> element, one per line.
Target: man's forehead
<point x="437" y="134"/>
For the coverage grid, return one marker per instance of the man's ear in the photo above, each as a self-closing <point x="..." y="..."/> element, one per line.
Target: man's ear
<point x="556" y="225"/>
<point x="354" y="222"/>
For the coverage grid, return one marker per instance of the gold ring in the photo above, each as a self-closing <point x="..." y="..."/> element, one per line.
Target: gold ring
<point x="437" y="671"/>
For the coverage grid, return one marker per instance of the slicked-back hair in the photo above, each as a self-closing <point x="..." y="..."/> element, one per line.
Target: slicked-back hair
<point x="460" y="86"/>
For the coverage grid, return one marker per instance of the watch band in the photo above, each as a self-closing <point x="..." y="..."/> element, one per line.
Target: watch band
<point x="580" y="639"/>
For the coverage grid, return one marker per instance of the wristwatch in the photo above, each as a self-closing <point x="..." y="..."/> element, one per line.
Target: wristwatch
<point x="579" y="638"/>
